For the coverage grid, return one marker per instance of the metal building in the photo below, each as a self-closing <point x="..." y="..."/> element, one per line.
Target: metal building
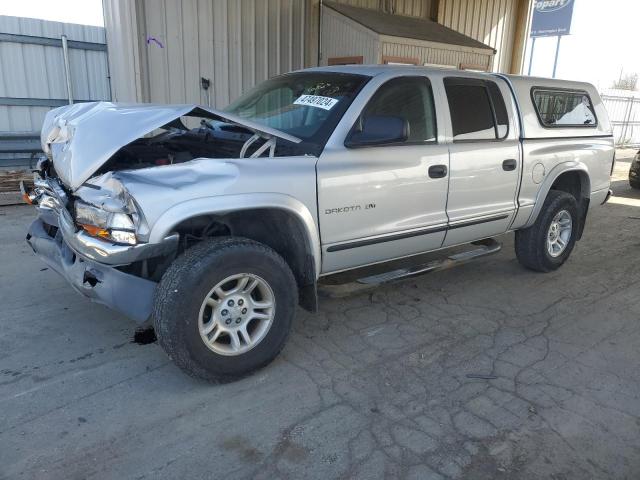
<point x="411" y="8"/>
<point x="210" y="51"/>
<point x="163" y="49"/>
<point x="362" y="35"/>
<point x="34" y="77"/>
<point x="501" y="24"/>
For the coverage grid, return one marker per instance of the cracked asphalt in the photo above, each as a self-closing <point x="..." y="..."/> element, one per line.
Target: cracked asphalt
<point x="373" y="386"/>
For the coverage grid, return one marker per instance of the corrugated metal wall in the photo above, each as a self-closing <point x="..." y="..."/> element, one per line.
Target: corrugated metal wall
<point x="124" y="43"/>
<point x="412" y="8"/>
<point x="492" y="22"/>
<point x="159" y="49"/>
<point x="234" y="43"/>
<point x="342" y="37"/>
<point x="439" y="56"/>
<point x="33" y="71"/>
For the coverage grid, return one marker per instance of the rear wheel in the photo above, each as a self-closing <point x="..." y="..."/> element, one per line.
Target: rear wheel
<point x="547" y="244"/>
<point x="225" y="308"/>
<point x="634" y="184"/>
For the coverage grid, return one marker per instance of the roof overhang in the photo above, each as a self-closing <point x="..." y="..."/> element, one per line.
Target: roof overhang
<point x="418" y="31"/>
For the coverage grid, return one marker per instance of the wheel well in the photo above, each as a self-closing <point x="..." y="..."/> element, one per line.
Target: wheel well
<point x="575" y="183"/>
<point x="276" y="228"/>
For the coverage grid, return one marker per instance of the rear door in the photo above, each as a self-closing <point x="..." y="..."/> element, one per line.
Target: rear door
<point x="382" y="202"/>
<point x="485" y="159"/>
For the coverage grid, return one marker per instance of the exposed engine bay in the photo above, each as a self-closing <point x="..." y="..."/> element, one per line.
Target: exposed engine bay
<point x="88" y="139"/>
<point x="178" y="144"/>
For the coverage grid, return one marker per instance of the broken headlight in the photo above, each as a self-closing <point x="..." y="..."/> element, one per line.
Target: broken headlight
<point x="114" y="226"/>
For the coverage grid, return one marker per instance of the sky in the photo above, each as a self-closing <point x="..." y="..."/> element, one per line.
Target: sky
<point x="87" y="12"/>
<point x="603" y="39"/>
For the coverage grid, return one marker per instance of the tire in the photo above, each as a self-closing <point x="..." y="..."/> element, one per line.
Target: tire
<point x="634" y="185"/>
<point x="179" y="313"/>
<point x="531" y="243"/>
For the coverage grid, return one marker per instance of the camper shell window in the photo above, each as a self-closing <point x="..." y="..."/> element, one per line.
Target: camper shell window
<point x="560" y="108"/>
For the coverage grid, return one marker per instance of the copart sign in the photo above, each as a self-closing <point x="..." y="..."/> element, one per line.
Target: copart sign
<point x="551" y="18"/>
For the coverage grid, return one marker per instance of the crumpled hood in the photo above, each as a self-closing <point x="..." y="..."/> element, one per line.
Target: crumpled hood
<point x="82" y="137"/>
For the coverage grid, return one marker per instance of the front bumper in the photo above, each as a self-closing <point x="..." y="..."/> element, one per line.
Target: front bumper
<point x="87" y="264"/>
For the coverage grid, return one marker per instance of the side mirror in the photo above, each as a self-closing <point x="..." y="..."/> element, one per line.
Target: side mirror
<point x="378" y="130"/>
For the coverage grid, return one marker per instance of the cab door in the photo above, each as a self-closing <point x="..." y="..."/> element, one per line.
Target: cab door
<point x="383" y="201"/>
<point x="485" y="156"/>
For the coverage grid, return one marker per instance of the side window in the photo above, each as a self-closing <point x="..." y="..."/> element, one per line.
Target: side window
<point x="478" y="111"/>
<point x="502" y="118"/>
<point x="408" y="98"/>
<point x="563" y="108"/>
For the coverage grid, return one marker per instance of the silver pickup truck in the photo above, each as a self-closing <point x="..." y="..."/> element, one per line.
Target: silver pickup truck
<point x="216" y="224"/>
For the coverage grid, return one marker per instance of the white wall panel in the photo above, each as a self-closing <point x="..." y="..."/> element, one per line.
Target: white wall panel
<point x="435" y="55"/>
<point x="342" y="37"/>
<point x="32" y="71"/>
<point x="412" y="8"/>
<point x="234" y="43"/>
<point x="124" y="43"/>
<point x="492" y="22"/>
<point x="45" y="28"/>
<point x="238" y="43"/>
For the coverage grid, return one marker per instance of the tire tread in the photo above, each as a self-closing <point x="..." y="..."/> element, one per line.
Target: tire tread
<point x="164" y="319"/>
<point x="530" y="242"/>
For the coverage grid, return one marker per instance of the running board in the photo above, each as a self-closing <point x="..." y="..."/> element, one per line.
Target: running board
<point x="482" y="248"/>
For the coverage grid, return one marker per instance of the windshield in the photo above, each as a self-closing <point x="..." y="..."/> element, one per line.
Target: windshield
<point x="307" y="105"/>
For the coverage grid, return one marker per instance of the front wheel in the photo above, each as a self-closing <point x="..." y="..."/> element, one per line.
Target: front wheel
<point x="547" y="244"/>
<point x="225" y="308"/>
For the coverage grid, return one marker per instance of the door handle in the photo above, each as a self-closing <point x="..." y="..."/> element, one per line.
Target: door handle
<point x="509" y="165"/>
<point x="438" y="171"/>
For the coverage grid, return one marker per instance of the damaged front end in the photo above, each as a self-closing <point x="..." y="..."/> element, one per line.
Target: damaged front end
<point x="89" y="250"/>
<point x="90" y="229"/>
<point x="86" y="139"/>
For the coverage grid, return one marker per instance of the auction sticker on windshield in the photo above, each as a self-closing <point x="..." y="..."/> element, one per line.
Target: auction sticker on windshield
<point x="326" y="103"/>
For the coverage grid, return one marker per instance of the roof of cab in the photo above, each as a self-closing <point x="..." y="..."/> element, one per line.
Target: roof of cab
<point x="376" y="69"/>
<point x="516" y="80"/>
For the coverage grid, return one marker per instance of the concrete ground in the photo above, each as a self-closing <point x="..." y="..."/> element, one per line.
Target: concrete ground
<point x="373" y="386"/>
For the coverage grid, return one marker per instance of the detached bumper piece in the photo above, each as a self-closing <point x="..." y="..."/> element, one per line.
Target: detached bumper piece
<point x="125" y="293"/>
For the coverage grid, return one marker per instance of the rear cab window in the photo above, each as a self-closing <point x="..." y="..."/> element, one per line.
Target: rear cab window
<point x="478" y="111"/>
<point x="563" y="108"/>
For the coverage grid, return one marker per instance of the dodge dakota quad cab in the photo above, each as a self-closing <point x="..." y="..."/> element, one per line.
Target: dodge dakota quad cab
<point x="216" y="224"/>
